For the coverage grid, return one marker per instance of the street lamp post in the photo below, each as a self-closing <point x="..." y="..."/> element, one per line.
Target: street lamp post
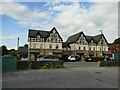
<point x="18" y="46"/>
<point x="101" y="42"/>
<point x="29" y="47"/>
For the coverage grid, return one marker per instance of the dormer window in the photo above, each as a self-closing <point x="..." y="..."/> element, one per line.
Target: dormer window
<point x="91" y="41"/>
<point x="54" y="38"/>
<point x="82" y="40"/>
<point x="38" y="38"/>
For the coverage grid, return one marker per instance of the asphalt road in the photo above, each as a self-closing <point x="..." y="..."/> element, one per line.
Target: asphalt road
<point x="74" y="75"/>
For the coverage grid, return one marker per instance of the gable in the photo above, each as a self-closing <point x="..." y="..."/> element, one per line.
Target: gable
<point x="103" y="40"/>
<point x="82" y="39"/>
<point x="54" y="36"/>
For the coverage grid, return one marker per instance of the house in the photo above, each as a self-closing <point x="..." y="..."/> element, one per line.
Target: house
<point x="23" y="51"/>
<point x="85" y="46"/>
<point x="114" y="48"/>
<point x="41" y="42"/>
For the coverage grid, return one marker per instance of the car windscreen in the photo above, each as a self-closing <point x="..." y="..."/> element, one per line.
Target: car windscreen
<point x="47" y="58"/>
<point x="72" y="57"/>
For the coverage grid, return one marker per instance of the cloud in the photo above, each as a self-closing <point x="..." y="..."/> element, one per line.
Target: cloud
<point x="74" y="18"/>
<point x="68" y="18"/>
<point x="22" y="13"/>
<point x="8" y="37"/>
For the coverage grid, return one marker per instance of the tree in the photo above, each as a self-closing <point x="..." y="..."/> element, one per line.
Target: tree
<point x="3" y="50"/>
<point x="117" y="41"/>
<point x="13" y="53"/>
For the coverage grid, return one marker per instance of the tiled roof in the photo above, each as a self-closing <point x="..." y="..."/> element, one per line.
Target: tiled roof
<point x="74" y="38"/>
<point x="23" y="49"/>
<point x="33" y="33"/>
<point x="97" y="38"/>
<point x="42" y="33"/>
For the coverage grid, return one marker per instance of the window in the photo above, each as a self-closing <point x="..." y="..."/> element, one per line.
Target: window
<point x="79" y="48"/>
<point x="38" y="37"/>
<point x="57" y="46"/>
<point x="41" y="46"/>
<point x="53" y="39"/>
<point x="82" y="40"/>
<point x="32" y="39"/>
<point x="92" y="42"/>
<point x="34" y="45"/>
<point x="84" y="48"/>
<point x="50" y="47"/>
<point x="94" y="48"/>
<point x="100" y="49"/>
<point x="104" y="49"/>
<point x="89" y="48"/>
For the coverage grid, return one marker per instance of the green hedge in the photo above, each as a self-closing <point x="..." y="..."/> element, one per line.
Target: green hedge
<point x="52" y="56"/>
<point x="106" y="63"/>
<point x="96" y="59"/>
<point x="24" y="65"/>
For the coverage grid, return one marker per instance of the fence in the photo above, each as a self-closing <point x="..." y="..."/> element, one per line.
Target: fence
<point x="117" y="56"/>
<point x="9" y="63"/>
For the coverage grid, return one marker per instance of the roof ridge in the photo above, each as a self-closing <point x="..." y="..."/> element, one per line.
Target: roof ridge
<point x="75" y="34"/>
<point x="38" y="30"/>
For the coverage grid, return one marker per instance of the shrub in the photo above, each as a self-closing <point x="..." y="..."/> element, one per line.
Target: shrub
<point x="96" y="59"/>
<point x="54" y="56"/>
<point x="106" y="63"/>
<point x="40" y="56"/>
<point x="24" y="65"/>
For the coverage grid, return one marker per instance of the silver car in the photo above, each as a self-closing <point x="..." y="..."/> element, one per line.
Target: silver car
<point x="46" y="58"/>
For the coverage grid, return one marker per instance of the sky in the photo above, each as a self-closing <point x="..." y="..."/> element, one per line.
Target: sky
<point x="68" y="18"/>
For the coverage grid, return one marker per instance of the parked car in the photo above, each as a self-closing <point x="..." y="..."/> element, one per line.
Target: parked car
<point x="88" y="59"/>
<point x="108" y="59"/>
<point x="64" y="58"/>
<point x="46" y="58"/>
<point x="24" y="59"/>
<point x="71" y="58"/>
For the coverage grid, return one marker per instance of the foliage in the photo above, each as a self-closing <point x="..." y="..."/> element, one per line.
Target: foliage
<point x="40" y="56"/>
<point x="3" y="50"/>
<point x="106" y="63"/>
<point x="96" y="59"/>
<point x="29" y="64"/>
<point x="13" y="53"/>
<point x="24" y="65"/>
<point x="117" y="41"/>
<point x="54" y="56"/>
<point x="50" y="65"/>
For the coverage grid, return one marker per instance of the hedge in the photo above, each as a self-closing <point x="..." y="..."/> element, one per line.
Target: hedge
<point x="96" y="59"/>
<point x="24" y="65"/>
<point x="106" y="63"/>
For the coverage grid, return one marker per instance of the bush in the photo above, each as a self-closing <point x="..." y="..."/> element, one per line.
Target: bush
<point x="24" y="65"/>
<point x="106" y="63"/>
<point x="54" y="56"/>
<point x="96" y="59"/>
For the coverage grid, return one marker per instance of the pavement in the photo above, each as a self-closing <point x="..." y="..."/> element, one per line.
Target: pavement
<point x="74" y="75"/>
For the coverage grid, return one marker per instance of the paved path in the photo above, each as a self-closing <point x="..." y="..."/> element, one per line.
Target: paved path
<point x="70" y="77"/>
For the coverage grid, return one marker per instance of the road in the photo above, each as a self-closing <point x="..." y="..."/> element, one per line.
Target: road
<point x="74" y="75"/>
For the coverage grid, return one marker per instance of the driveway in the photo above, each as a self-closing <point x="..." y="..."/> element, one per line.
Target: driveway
<point x="72" y="76"/>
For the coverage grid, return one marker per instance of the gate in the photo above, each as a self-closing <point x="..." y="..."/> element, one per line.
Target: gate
<point x="9" y="63"/>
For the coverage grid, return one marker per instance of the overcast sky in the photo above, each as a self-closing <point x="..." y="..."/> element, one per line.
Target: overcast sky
<point x="68" y="17"/>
